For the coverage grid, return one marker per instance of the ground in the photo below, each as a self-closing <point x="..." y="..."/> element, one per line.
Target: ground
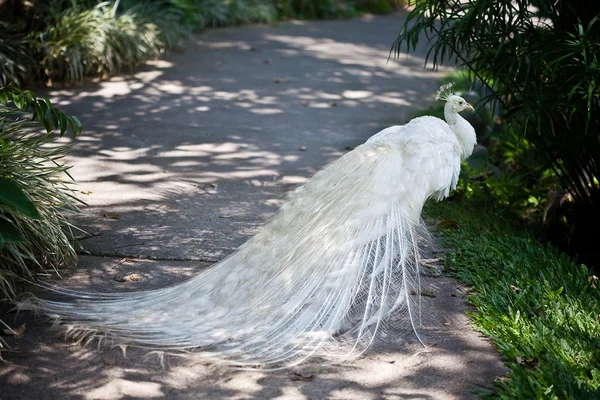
<point x="183" y="161"/>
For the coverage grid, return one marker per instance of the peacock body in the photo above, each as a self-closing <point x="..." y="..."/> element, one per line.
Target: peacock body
<point x="335" y="268"/>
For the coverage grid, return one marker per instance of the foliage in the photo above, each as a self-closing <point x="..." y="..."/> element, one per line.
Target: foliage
<point x="378" y="6"/>
<point x="15" y="61"/>
<point x="538" y="306"/>
<point x="69" y="40"/>
<point x="100" y="41"/>
<point x="332" y="9"/>
<point x="206" y="13"/>
<point x="317" y="9"/>
<point x="42" y="110"/>
<point x="33" y="196"/>
<point x="539" y="61"/>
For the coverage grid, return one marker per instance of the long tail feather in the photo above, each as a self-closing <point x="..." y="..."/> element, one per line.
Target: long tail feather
<point x="337" y="267"/>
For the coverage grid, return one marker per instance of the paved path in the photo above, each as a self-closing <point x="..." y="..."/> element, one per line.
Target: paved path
<point x="183" y="161"/>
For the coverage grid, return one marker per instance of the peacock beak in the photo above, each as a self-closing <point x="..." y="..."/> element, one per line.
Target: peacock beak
<point x="469" y="107"/>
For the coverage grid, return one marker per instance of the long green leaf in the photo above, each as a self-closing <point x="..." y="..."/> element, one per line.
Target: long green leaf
<point x="11" y="193"/>
<point x="9" y="233"/>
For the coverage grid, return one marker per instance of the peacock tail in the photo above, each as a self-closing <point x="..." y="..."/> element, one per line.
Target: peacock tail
<point x="335" y="269"/>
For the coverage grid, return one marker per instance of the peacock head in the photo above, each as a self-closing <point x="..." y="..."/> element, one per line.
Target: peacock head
<point x="458" y="104"/>
<point x="454" y="103"/>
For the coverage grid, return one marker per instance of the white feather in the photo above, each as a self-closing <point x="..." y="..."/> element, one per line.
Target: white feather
<point x="337" y="266"/>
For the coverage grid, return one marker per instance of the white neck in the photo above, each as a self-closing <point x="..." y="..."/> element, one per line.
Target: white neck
<point x="462" y="129"/>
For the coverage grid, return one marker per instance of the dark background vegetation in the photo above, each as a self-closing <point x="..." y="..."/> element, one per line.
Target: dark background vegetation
<point x="535" y="66"/>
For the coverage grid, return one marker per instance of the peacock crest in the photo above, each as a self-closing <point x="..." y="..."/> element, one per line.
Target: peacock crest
<point x="445" y="92"/>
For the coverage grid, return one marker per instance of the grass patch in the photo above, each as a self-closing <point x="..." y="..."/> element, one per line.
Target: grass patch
<point x="540" y="308"/>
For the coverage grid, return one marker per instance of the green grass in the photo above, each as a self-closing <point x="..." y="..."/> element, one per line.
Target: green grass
<point x="539" y="307"/>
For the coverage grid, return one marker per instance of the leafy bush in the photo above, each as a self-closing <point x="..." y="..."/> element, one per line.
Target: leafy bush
<point x="539" y="307"/>
<point x="80" y="42"/>
<point x="15" y="59"/>
<point x="320" y="9"/>
<point x="332" y="9"/>
<point x="378" y="6"/>
<point x="539" y="60"/>
<point x="69" y="40"/>
<point x="33" y="193"/>
<point x="206" y="13"/>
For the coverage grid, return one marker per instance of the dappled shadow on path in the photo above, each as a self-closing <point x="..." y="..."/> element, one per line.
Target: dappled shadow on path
<point x="253" y="111"/>
<point x="455" y="363"/>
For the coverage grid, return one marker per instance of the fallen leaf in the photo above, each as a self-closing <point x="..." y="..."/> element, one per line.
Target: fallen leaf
<point x="302" y="378"/>
<point x="112" y="216"/>
<point x="302" y="148"/>
<point x="85" y="192"/>
<point x="134" y="277"/>
<point x="15" y="332"/>
<point x="109" y="362"/>
<point x="224" y="216"/>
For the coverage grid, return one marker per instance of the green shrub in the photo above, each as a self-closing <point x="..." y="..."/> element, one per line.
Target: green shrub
<point x="540" y="62"/>
<point x="378" y="6"/>
<point x="34" y="189"/>
<point x="16" y="63"/>
<point x="207" y="13"/>
<point x="316" y="9"/>
<point x="99" y="41"/>
<point x="60" y="41"/>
